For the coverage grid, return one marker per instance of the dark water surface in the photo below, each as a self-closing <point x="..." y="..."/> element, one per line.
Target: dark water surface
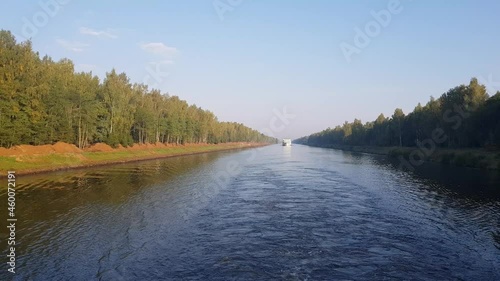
<point x="286" y="213"/>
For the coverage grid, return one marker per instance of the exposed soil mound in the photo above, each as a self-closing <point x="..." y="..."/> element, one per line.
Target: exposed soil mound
<point x="120" y="147"/>
<point x="61" y="147"/>
<point x="31" y="149"/>
<point x="148" y="145"/>
<point x="4" y="151"/>
<point x="100" y="147"/>
<point x="160" y="145"/>
<point x="136" y="146"/>
<point x="23" y="149"/>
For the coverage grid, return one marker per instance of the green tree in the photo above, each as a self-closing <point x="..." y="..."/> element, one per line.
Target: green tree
<point x="398" y="120"/>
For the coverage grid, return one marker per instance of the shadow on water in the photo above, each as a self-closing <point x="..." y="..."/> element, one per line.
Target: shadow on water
<point x="475" y="183"/>
<point x="43" y="198"/>
<point x="475" y="190"/>
<point x="460" y="181"/>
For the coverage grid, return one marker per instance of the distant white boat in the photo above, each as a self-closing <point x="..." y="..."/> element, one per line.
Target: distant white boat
<point x="287" y="142"/>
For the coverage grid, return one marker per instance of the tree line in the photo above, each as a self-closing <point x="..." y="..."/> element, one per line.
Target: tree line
<point x="463" y="117"/>
<point x="43" y="101"/>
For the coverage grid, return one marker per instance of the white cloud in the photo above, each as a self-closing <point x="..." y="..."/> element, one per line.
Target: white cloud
<point x="159" y="49"/>
<point x="157" y="71"/>
<point x="74" y="46"/>
<point x="99" y="33"/>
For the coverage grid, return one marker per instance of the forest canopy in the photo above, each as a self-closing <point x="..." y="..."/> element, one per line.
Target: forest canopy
<point x="43" y="101"/>
<point x="464" y="117"/>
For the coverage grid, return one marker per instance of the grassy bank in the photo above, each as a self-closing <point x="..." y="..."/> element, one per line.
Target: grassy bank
<point x="473" y="158"/>
<point x="28" y="161"/>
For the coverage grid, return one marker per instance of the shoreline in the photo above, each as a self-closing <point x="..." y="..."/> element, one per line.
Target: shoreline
<point x="91" y="159"/>
<point x="471" y="158"/>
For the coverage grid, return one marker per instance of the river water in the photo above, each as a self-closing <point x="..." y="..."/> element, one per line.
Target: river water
<point x="274" y="213"/>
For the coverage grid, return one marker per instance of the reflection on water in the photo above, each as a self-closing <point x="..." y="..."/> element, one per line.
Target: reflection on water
<point x="61" y="191"/>
<point x="292" y="213"/>
<point x="287" y="151"/>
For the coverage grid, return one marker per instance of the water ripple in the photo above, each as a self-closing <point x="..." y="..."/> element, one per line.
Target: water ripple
<point x="300" y="214"/>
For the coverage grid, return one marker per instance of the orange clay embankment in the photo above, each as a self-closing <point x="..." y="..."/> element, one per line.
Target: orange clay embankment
<point x="28" y="159"/>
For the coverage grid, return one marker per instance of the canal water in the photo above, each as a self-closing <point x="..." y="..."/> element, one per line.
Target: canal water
<point x="273" y="213"/>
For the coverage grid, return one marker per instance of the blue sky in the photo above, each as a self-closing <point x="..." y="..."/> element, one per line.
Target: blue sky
<point x="247" y="59"/>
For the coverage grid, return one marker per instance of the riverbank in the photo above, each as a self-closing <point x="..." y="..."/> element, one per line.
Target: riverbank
<point x="27" y="159"/>
<point x="473" y="158"/>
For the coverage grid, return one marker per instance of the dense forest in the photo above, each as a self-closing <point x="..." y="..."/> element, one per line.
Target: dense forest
<point x="43" y="102"/>
<point x="463" y="117"/>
